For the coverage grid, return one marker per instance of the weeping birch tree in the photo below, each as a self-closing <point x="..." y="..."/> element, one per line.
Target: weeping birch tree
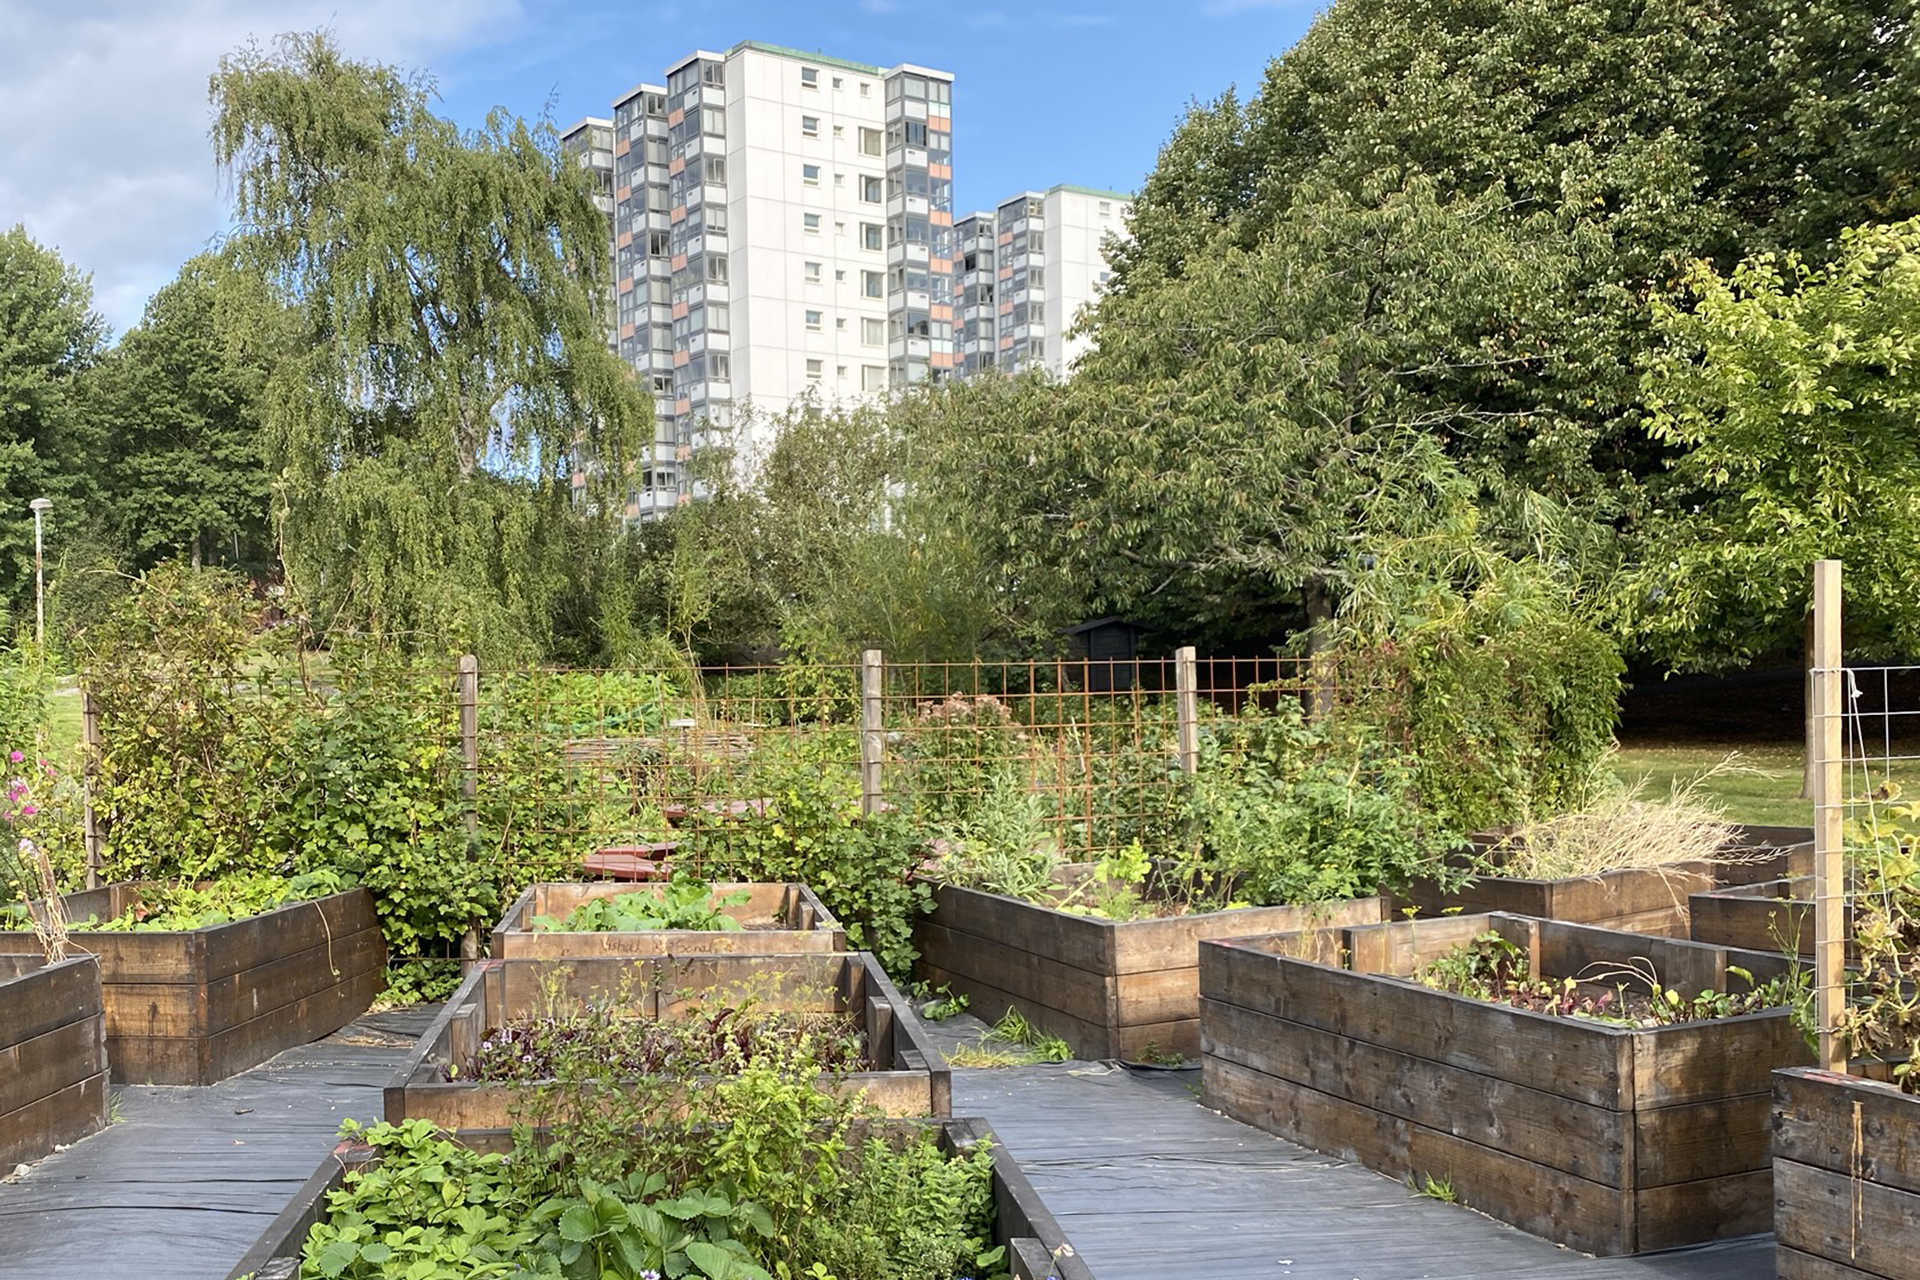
<point x="451" y="370"/>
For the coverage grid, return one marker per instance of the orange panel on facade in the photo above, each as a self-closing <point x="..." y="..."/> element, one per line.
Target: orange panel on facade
<point x="679" y="262"/>
<point x="679" y="311"/>
<point x="1006" y="308"/>
<point x="939" y="122"/>
<point x="621" y="147"/>
<point x="626" y="238"/>
<point x="940" y="311"/>
<point x="679" y="214"/>
<point x="683" y="405"/>
<point x="940" y="217"/>
<point x="675" y="116"/>
<point x="680" y="358"/>
<point x="679" y="163"/>
<point x="941" y="171"/>
<point x="622" y="194"/>
<point x="940" y="266"/>
<point x="626" y="284"/>
<point x="626" y="330"/>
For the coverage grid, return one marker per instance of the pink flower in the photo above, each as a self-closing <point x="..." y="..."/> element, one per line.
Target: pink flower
<point x="27" y="811"/>
<point x="16" y="756"/>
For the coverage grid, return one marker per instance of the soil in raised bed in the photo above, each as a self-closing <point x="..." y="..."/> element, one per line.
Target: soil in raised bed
<point x="1630" y="994"/>
<point x="595" y="1041"/>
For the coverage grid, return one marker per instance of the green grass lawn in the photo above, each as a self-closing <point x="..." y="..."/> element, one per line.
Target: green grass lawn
<point x="1763" y="787"/>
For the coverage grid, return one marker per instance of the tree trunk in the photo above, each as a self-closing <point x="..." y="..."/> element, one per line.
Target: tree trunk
<point x="1318" y="601"/>
<point x="196" y="550"/>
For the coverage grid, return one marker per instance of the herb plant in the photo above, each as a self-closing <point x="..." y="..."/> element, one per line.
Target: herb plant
<point x="686" y="902"/>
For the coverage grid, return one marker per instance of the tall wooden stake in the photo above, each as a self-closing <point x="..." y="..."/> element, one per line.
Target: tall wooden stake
<point x="872" y="729"/>
<point x="1829" y="868"/>
<point x="1186" y="697"/>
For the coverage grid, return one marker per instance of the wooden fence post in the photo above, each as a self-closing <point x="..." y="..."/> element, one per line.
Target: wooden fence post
<point x="469" y="698"/>
<point x="872" y="729"/>
<point x="1829" y="867"/>
<point x="89" y="769"/>
<point x="1186" y="697"/>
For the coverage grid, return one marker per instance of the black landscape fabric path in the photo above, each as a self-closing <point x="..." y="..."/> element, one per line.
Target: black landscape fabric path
<point x="187" y="1178"/>
<point x="1149" y="1184"/>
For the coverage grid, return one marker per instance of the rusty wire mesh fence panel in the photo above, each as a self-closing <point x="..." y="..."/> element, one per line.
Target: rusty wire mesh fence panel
<point x="506" y="775"/>
<point x="582" y="761"/>
<point x="1083" y="754"/>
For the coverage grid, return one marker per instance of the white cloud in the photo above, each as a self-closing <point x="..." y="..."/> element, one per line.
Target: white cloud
<point x="105" y="154"/>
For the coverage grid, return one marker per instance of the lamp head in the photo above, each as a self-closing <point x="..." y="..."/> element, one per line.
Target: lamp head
<point x="40" y="504"/>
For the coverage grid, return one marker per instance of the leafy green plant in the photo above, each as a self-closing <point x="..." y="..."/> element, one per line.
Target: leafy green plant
<point x="686" y="902"/>
<point x="1287" y="811"/>
<point x="1881" y="1018"/>
<point x="1040" y="1046"/>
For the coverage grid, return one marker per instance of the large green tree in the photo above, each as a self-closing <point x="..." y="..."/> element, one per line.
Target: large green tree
<point x="1247" y="428"/>
<point x="49" y="336"/>
<point x="1619" y="138"/>
<point x="1795" y="391"/>
<point x="182" y="472"/>
<point x="450" y="369"/>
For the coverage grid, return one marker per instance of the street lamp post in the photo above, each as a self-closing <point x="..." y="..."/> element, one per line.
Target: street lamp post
<point x="39" y="505"/>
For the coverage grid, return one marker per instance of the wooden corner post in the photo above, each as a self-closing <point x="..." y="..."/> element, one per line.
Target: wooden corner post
<point x="872" y="728"/>
<point x="1829" y="868"/>
<point x="1186" y="696"/>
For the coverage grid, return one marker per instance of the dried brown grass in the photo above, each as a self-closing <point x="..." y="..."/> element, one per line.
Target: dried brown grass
<point x="1625" y="830"/>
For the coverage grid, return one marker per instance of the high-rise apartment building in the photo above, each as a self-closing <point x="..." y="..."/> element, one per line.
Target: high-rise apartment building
<point x="782" y="228"/>
<point x="1023" y="273"/>
<point x="589" y="144"/>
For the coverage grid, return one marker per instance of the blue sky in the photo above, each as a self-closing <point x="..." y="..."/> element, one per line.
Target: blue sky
<point x="1071" y="93"/>
<point x="108" y="161"/>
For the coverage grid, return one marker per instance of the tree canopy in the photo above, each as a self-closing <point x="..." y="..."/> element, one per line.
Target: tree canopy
<point x="1795" y="391"/>
<point x="450" y="368"/>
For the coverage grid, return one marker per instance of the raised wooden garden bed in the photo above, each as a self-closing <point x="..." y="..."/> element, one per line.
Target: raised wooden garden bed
<point x="779" y="918"/>
<point x="907" y="1076"/>
<point x="53" y="1055"/>
<point x="1110" y="989"/>
<point x="196" y="1006"/>
<point x="1036" y="1246"/>
<point x="1606" y="1138"/>
<point x="1773" y="915"/>
<point x="1650" y="900"/>
<point x="1846" y="1178"/>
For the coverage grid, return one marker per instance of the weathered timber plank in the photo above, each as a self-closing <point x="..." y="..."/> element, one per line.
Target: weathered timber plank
<point x="1143" y="946"/>
<point x="45" y="997"/>
<point x="68" y="1115"/>
<point x="1697" y="1140"/>
<point x="1088" y="1040"/>
<point x="1792" y="1264"/>
<point x="153" y="1009"/>
<point x="1813" y="1124"/>
<point x="1547" y="1202"/>
<point x="1715" y="1059"/>
<point x="1588" y="1141"/>
<point x="1025" y="975"/>
<point x="297" y="926"/>
<point x="801" y="923"/>
<point x="1584" y="1062"/>
<point x="1846" y="1220"/>
<point x="1683" y="1213"/>
<point x="1082" y="942"/>
<point x="50" y="1062"/>
<point x="252" y="993"/>
<point x="312" y="1016"/>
